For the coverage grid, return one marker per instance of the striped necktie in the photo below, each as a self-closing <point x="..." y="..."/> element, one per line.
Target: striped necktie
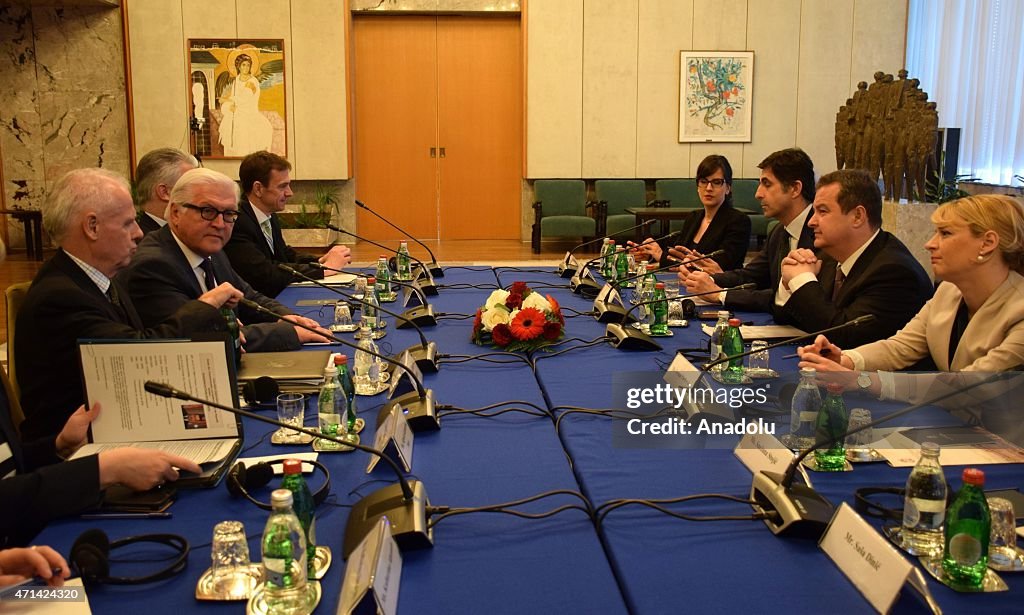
<point x="268" y="233"/>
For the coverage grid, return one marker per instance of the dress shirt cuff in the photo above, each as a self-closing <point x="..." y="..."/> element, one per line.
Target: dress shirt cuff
<point x="800" y="279"/>
<point x="888" y="383"/>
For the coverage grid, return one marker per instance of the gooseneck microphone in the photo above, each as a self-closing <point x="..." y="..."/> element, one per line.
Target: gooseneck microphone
<point x="429" y="287"/>
<point x="860" y="320"/>
<point x="567" y="268"/>
<point x="435" y="269"/>
<point x="418" y="405"/>
<point x="619" y="283"/>
<point x="582" y="283"/>
<point x="799" y="510"/>
<point x="425" y="354"/>
<point x="404" y="504"/>
<point x="412" y="286"/>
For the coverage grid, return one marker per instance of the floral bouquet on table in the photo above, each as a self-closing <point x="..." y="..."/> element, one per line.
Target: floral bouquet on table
<point x="518" y="319"/>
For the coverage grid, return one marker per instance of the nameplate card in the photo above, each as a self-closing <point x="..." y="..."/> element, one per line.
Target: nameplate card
<point x="763" y="452"/>
<point x="681" y="373"/>
<point x="373" y="574"/>
<point x="401" y="381"/>
<point x="867" y="558"/>
<point x="394" y="439"/>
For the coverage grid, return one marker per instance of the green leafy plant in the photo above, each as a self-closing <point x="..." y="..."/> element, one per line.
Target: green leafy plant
<point x="316" y="214"/>
<point x="940" y="190"/>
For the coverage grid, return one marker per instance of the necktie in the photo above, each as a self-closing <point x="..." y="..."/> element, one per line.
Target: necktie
<point x="268" y="233"/>
<point x="840" y="278"/>
<point x="208" y="277"/>
<point x="115" y="300"/>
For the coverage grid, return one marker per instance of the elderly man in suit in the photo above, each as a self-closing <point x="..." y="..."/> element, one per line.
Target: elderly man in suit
<point x="183" y="259"/>
<point x="156" y="174"/>
<point x="257" y="245"/>
<point x="864" y="270"/>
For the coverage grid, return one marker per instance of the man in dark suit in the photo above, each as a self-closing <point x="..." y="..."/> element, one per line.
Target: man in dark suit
<point x="785" y="192"/>
<point x="75" y="296"/>
<point x="183" y="259"/>
<point x="156" y="174"/>
<point x="865" y="270"/>
<point x="257" y="245"/>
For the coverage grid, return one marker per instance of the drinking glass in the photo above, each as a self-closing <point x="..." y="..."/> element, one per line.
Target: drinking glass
<point x="860" y="442"/>
<point x="1002" y="545"/>
<point x="758" y="360"/>
<point x="291" y="410"/>
<point x="671" y="287"/>
<point x="342" y="317"/>
<point x="230" y="566"/>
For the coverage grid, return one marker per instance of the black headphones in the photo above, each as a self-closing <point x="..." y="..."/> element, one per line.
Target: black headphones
<point x="241" y="480"/>
<point x="90" y="555"/>
<point x="863" y="504"/>
<point x="261" y="391"/>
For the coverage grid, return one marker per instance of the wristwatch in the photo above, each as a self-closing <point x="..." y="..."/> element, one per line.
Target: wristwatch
<point x="864" y="381"/>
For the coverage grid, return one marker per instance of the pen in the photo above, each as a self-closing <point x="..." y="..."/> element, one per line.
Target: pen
<point x="148" y="515"/>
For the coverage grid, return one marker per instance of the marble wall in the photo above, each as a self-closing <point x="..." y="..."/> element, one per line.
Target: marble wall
<point x="63" y="102"/>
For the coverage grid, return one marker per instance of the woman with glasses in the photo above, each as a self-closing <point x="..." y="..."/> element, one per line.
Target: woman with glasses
<point x="718" y="226"/>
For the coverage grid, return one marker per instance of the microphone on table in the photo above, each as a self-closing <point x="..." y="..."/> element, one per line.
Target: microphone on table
<point x="608" y="303"/>
<point x="427" y="287"/>
<point x="799" y="510"/>
<point x="418" y="405"/>
<point x="425" y="354"/>
<point x="624" y="337"/>
<point x="860" y="320"/>
<point x="582" y="282"/>
<point x="422" y="314"/>
<point x="404" y="504"/>
<point x="567" y="268"/>
<point x="434" y="269"/>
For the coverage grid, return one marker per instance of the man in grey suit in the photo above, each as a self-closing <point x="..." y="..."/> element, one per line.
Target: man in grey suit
<point x="176" y="263"/>
<point x="156" y="174"/>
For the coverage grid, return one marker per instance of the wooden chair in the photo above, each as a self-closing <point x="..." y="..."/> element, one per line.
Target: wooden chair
<point x="15" y="295"/>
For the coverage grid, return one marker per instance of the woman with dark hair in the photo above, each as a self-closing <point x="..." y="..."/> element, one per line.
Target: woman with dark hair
<point x="717" y="227"/>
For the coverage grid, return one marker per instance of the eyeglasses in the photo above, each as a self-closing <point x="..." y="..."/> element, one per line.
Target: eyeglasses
<point x="210" y="213"/>
<point x="717" y="183"/>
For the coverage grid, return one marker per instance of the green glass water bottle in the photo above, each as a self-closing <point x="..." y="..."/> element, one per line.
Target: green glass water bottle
<point x="832" y="423"/>
<point x="968" y="526"/>
<point x="660" y="310"/>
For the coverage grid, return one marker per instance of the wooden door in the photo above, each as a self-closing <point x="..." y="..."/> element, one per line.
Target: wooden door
<point x="395" y="87"/>
<point x="480" y="126"/>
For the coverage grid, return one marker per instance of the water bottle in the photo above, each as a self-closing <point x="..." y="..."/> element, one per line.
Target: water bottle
<point x="715" y="344"/>
<point x="804" y="411"/>
<point x="621" y="264"/>
<point x="332" y="407"/>
<point x="345" y="379"/>
<point x="608" y="259"/>
<point x="732" y="344"/>
<point x="284" y="558"/>
<point x="383" y="280"/>
<point x="660" y="310"/>
<point x="831" y="425"/>
<point x="403" y="263"/>
<point x="371" y="303"/>
<point x="303" y="507"/>
<point x="367" y="369"/>
<point x="924" y="507"/>
<point x="968" y="526"/>
<point x="231" y="320"/>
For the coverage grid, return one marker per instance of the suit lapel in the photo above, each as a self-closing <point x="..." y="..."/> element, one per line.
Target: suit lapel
<point x="275" y="231"/>
<point x="83" y="281"/>
<point x="169" y="245"/>
<point x="861" y="268"/>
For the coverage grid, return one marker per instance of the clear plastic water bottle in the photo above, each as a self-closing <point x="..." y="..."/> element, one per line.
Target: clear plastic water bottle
<point x="345" y="379"/>
<point x="403" y="263"/>
<point x="968" y="529"/>
<point x="715" y="343"/>
<point x="303" y="507"/>
<point x="284" y="558"/>
<point x="924" y="507"/>
<point x="370" y="307"/>
<point x="332" y="406"/>
<point x="383" y="281"/>
<point x="804" y="411"/>
<point x="366" y="378"/>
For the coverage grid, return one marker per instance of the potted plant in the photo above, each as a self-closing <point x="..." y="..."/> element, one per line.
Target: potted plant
<point x="306" y="227"/>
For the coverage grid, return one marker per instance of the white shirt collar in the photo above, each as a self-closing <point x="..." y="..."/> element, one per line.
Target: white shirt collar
<point x="847" y="265"/>
<point x="156" y="219"/>
<point x="260" y="216"/>
<point x="194" y="260"/>
<point x="98" y="277"/>
<point x="795" y="228"/>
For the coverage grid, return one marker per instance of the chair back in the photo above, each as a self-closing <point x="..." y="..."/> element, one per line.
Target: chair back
<point x="743" y="191"/>
<point x="620" y="194"/>
<point x="680" y="193"/>
<point x="13" y="405"/>
<point x="15" y="295"/>
<point x="561" y="197"/>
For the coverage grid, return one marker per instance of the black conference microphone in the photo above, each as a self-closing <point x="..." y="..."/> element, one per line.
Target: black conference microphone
<point x="860" y="320"/>
<point x="434" y="269"/>
<point x="583" y="283"/>
<point x="427" y="287"/>
<point x="799" y="510"/>
<point x="421" y="315"/>
<point x="418" y="406"/>
<point x="404" y="504"/>
<point x="425" y="354"/>
<point x="568" y="266"/>
<point x="624" y="337"/>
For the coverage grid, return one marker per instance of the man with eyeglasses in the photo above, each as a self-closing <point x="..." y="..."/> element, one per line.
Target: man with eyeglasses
<point x="181" y="260"/>
<point x="257" y="245"/>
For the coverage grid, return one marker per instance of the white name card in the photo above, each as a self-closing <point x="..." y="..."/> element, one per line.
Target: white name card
<point x="401" y="377"/>
<point x="763" y="451"/>
<point x="373" y="575"/>
<point x="867" y="559"/>
<point x="394" y="439"/>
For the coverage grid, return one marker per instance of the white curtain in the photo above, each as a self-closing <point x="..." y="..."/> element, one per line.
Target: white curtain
<point x="969" y="56"/>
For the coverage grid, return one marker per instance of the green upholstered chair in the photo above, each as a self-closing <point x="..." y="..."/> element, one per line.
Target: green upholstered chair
<point x="561" y="210"/>
<point x="614" y="196"/>
<point x="743" y="199"/>
<point x="676" y="193"/>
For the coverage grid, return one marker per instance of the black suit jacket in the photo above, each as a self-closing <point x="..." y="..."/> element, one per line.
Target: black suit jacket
<point x="886" y="281"/>
<point x="729" y="230"/>
<point x="62" y="306"/>
<point x="161" y="280"/>
<point x="146" y="223"/>
<point x="252" y="258"/>
<point x="31" y="499"/>
<point x="765" y="270"/>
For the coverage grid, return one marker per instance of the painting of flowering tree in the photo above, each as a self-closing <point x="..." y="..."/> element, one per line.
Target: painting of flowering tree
<point x="714" y="96"/>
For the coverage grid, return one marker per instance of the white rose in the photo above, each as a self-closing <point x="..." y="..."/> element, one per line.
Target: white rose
<point x="498" y="296"/>
<point x="493" y="317"/>
<point x="535" y="300"/>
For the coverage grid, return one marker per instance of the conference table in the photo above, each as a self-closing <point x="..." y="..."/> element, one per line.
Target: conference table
<point x="636" y="561"/>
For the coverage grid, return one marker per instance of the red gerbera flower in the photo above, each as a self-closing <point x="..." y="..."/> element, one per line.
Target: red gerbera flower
<point x="556" y="309"/>
<point x="501" y="334"/>
<point x="552" y="330"/>
<point x="528" y="324"/>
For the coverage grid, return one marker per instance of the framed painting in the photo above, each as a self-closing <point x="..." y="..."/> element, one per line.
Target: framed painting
<point x="715" y="96"/>
<point x="236" y="97"/>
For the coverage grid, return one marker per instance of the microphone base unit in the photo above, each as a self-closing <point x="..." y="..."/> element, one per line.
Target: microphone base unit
<point x="425" y="357"/>
<point x="419" y="410"/>
<point x="800" y="511"/>
<point x="426" y="286"/>
<point x="584" y="286"/>
<point x="567" y="268"/>
<point x="435" y="270"/>
<point x="421" y="316"/>
<point x="609" y="312"/>
<point x="408" y="518"/>
<point x="625" y="337"/>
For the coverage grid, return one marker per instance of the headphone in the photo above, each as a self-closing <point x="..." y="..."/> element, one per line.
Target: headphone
<point x="261" y="391"/>
<point x="90" y="555"/>
<point x="864" y="505"/>
<point x="241" y="480"/>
